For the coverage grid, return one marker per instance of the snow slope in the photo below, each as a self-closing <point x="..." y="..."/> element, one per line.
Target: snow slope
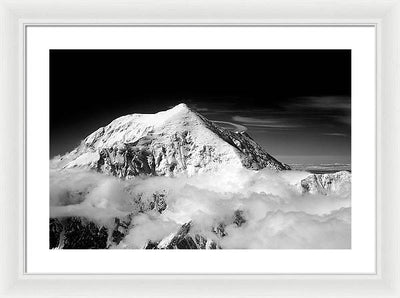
<point x="167" y="143"/>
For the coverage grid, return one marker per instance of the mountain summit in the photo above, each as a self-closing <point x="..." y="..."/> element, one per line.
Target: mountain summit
<point x="167" y="143"/>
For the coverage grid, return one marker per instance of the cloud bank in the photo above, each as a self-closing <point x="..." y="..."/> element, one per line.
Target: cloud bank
<point x="275" y="211"/>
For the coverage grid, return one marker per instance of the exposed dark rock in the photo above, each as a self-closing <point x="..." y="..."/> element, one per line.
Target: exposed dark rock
<point x="151" y="245"/>
<point x="126" y="161"/>
<point x="238" y="218"/>
<point x="200" y="241"/>
<point x="81" y="233"/>
<point x="157" y="201"/>
<point x="186" y="242"/>
<point x="121" y="228"/>
<point x="220" y="230"/>
<point x="204" y="243"/>
<point x="160" y="203"/>
<point x="183" y="239"/>
<point x="56" y="229"/>
<point x="179" y="240"/>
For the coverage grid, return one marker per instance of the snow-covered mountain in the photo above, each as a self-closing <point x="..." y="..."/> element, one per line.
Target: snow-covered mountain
<point x="167" y="143"/>
<point x="227" y="206"/>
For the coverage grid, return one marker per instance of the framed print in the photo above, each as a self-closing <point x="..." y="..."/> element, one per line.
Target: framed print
<point x="178" y="158"/>
<point x="251" y="152"/>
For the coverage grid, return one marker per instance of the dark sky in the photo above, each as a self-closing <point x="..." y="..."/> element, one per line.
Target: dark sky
<point x="295" y="103"/>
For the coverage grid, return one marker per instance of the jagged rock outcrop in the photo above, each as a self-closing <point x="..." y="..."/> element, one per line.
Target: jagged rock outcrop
<point x="325" y="183"/>
<point x="159" y="203"/>
<point x="168" y="143"/>
<point x="156" y="201"/>
<point x="183" y="239"/>
<point x="82" y="233"/>
<point x="238" y="219"/>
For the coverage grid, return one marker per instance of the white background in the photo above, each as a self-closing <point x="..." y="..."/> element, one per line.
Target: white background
<point x="360" y="259"/>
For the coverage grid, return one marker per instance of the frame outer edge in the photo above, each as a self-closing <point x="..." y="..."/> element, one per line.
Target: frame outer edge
<point x="10" y="149"/>
<point x="11" y="156"/>
<point x="390" y="147"/>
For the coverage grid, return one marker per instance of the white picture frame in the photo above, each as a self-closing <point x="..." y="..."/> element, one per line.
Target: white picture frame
<point x="15" y="15"/>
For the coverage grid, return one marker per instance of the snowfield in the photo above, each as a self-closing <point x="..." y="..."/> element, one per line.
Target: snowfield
<point x="174" y="180"/>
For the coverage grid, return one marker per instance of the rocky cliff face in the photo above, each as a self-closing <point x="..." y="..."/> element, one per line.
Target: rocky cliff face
<point x="82" y="233"/>
<point x="168" y="143"/>
<point x="183" y="239"/>
<point x="325" y="183"/>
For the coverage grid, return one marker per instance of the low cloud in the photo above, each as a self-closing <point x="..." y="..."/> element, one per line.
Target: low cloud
<point x="148" y="227"/>
<point x="329" y="102"/>
<point x="332" y="108"/>
<point x="265" y="123"/>
<point x="277" y="214"/>
<point x="278" y="229"/>
<point x="335" y="134"/>
<point x="231" y="126"/>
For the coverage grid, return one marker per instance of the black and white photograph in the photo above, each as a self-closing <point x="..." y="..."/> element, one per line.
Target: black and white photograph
<point x="200" y="149"/>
